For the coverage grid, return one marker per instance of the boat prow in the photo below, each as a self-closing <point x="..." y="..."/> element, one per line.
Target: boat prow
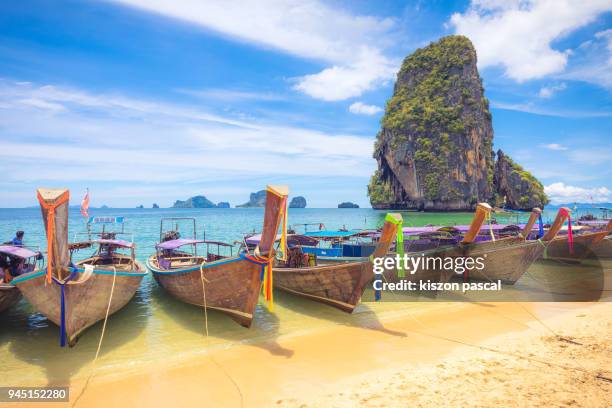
<point x="339" y="285"/>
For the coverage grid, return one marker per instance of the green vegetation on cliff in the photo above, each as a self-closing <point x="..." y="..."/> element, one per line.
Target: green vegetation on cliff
<point x="380" y="192"/>
<point x="434" y="107"/>
<point x="517" y="186"/>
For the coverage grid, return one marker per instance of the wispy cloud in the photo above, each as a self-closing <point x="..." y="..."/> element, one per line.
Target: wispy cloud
<point x="562" y="193"/>
<point x="538" y="109"/>
<point x="231" y="95"/>
<point x="591" y="156"/>
<point x="360" y="108"/>
<point x="592" y="61"/>
<point x="554" y="146"/>
<point x="353" y="44"/>
<point x="120" y="139"/>
<point x="547" y="92"/>
<point x="518" y="35"/>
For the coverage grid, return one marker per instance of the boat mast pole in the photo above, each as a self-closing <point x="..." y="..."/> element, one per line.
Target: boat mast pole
<point x="483" y="210"/>
<point x="535" y="213"/>
<point x="562" y="216"/>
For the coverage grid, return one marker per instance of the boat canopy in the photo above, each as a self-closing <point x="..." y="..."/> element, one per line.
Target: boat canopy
<point x="292" y="240"/>
<point x="115" y="242"/>
<point x="177" y="243"/>
<point x="595" y="223"/>
<point x="17" y="251"/>
<point x="331" y="234"/>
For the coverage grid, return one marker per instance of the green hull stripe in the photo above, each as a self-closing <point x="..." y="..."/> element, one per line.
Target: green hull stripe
<point x="36" y="274"/>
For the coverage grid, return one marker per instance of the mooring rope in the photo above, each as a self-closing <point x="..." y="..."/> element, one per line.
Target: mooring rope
<point x="203" y="279"/>
<point x="93" y="367"/>
<point x="580" y="367"/>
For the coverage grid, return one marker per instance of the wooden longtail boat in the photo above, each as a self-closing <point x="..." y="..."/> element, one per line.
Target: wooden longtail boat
<point x="339" y="285"/>
<point x="15" y="261"/>
<point x="505" y="259"/>
<point x="232" y="284"/>
<point x="590" y="244"/>
<point x="77" y="296"/>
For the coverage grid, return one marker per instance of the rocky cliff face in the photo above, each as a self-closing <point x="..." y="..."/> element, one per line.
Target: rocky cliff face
<point x="257" y="199"/>
<point x="194" y="202"/>
<point x="434" y="150"/>
<point x="515" y="187"/>
<point x="297" y="202"/>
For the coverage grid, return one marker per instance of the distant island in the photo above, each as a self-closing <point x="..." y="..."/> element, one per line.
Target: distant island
<point x="199" y="202"/>
<point x="297" y="202"/>
<point x="348" y="204"/>
<point x="257" y="199"/>
<point x="155" y="205"/>
<point x="140" y="206"/>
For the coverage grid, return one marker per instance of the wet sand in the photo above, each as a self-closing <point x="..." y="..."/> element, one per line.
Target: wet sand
<point x="476" y="354"/>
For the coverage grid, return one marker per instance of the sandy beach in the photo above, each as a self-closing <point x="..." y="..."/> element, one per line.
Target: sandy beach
<point x="457" y="355"/>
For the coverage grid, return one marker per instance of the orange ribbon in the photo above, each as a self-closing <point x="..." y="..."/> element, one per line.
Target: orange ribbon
<point x="51" y="226"/>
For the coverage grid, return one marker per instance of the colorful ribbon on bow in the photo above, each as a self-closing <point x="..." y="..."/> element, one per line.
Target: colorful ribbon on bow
<point x="570" y="235"/>
<point x="540" y="227"/>
<point x="51" y="226"/>
<point x="266" y="262"/>
<point x="62" y="286"/>
<point x="399" y="243"/>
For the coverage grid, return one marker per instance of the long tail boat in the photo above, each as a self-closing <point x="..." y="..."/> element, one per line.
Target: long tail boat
<point x="230" y="285"/>
<point x="590" y="244"/>
<point x="338" y="285"/>
<point x="505" y="259"/>
<point x="77" y="296"/>
<point x="16" y="260"/>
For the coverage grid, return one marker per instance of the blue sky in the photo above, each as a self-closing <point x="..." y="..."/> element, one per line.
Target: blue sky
<point x="149" y="101"/>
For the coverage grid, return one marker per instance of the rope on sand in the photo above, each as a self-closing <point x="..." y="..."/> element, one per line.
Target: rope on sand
<point x="203" y="280"/>
<point x="93" y="368"/>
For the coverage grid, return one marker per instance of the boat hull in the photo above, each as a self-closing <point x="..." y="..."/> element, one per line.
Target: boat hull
<point x="232" y="286"/>
<point x="505" y="259"/>
<point x="9" y="296"/>
<point x="340" y="285"/>
<point x="584" y="247"/>
<point x="86" y="299"/>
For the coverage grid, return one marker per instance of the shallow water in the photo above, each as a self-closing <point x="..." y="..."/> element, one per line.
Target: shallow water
<point x="154" y="326"/>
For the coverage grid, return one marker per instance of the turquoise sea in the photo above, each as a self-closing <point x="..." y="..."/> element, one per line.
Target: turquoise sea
<point x="154" y="326"/>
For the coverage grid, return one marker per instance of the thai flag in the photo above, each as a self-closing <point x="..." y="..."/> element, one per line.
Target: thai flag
<point x="85" y="205"/>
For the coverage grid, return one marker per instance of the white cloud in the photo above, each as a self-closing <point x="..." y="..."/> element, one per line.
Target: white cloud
<point x="360" y="108"/>
<point x="547" y="92"/>
<point x="307" y="28"/>
<point x="562" y="193"/>
<point x="347" y="81"/>
<point x="118" y="139"/>
<point x="518" y="34"/>
<point x="554" y="146"/>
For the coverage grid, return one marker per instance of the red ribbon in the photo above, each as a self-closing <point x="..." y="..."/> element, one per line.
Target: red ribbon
<point x="570" y="235"/>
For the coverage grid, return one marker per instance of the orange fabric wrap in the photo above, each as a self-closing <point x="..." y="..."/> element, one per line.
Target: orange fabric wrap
<point x="51" y="226"/>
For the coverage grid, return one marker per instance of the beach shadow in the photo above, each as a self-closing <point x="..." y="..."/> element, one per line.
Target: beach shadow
<point x="362" y="317"/>
<point x="263" y="332"/>
<point x="35" y="340"/>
